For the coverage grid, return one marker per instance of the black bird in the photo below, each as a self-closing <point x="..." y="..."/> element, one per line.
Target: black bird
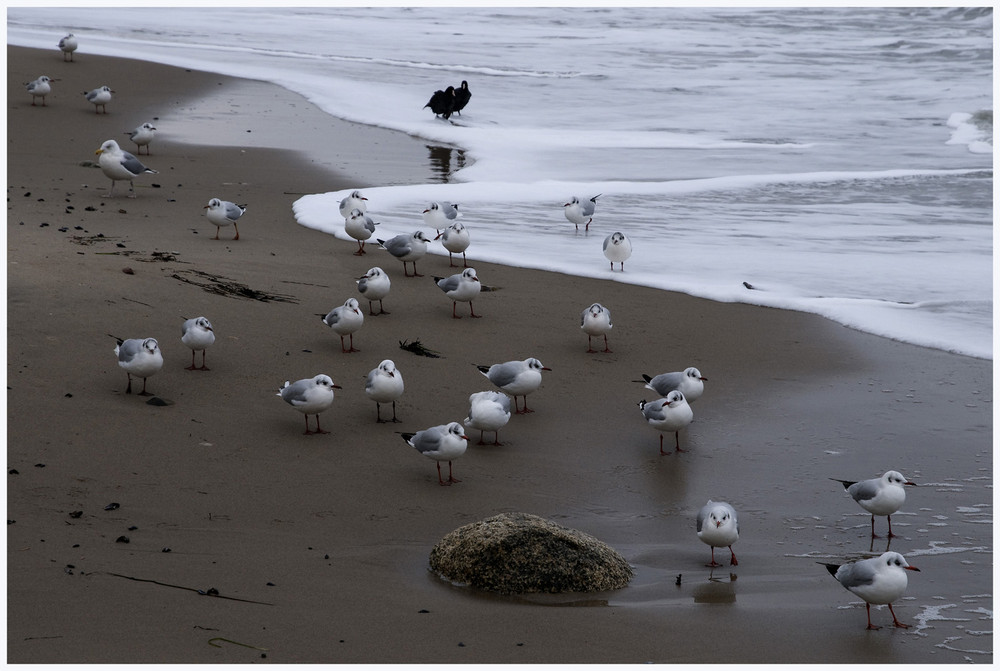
<point x="462" y="95"/>
<point x="442" y="103"/>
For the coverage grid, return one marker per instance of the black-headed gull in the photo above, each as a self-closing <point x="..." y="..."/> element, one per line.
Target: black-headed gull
<point x="142" y="136"/>
<point x="140" y="357"/>
<point x="407" y="248"/>
<point x="310" y="396"/>
<point x="880" y="580"/>
<point x="198" y="334"/>
<point x="374" y="285"/>
<point x="517" y="378"/>
<point x="345" y="320"/>
<point x="718" y="527"/>
<point x="671" y="413"/>
<point x="617" y="249"/>
<point x="581" y="212"/>
<point x="68" y="45"/>
<point x="40" y="88"/>
<point x="440" y="443"/>
<point x="456" y="240"/>
<point x="879" y="496"/>
<point x="441" y="215"/>
<point x="359" y="226"/>
<point x="442" y="103"/>
<point x="596" y="321"/>
<point x="488" y="411"/>
<point x="462" y="97"/>
<point x="223" y="213"/>
<point x="463" y="286"/>
<point x="353" y="201"/>
<point x="99" y="97"/>
<point x="384" y="384"/>
<point x="689" y="382"/>
<point x="119" y="165"/>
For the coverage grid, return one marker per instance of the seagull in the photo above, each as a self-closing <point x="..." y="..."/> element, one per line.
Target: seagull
<point x="463" y="287"/>
<point x="441" y="443"/>
<point x="581" y="212"/>
<point x="517" y="378"/>
<point x="717" y="526"/>
<point x="442" y="103"/>
<point x="40" y="88"/>
<point x="880" y="580"/>
<point x="595" y="321"/>
<point x="879" y="496"/>
<point x="374" y="285"/>
<point x="456" y="240"/>
<point x="406" y="248"/>
<point x="310" y="396"/>
<point x="488" y="411"/>
<point x="689" y="382"/>
<point x="142" y="136"/>
<point x="222" y="213"/>
<point x="668" y="414"/>
<point x="440" y="215"/>
<point x="462" y="96"/>
<point x="359" y="226"/>
<point x="384" y="384"/>
<point x="119" y="165"/>
<point x="140" y="357"/>
<point x="617" y="249"/>
<point x="68" y="45"/>
<point x="354" y="201"/>
<point x="345" y="320"/>
<point x="100" y="97"/>
<point x="197" y="334"/>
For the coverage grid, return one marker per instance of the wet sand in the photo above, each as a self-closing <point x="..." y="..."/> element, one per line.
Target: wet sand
<point x="318" y="545"/>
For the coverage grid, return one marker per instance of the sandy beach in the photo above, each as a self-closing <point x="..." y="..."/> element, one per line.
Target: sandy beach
<point x="317" y="545"/>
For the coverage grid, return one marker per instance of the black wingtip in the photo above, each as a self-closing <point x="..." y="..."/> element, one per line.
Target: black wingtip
<point x="846" y="483"/>
<point x="832" y="568"/>
<point x="646" y="377"/>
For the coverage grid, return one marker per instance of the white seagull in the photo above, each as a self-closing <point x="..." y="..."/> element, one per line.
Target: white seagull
<point x="689" y="382"/>
<point x="440" y="443"/>
<point x="879" y="496"/>
<point x="384" y="384"/>
<point x="581" y="212"/>
<point x="140" y="357"/>
<point x="668" y="414"/>
<point x="99" y="97"/>
<point x="488" y="411"/>
<point x="441" y="215"/>
<point x="595" y="321"/>
<point x="374" y="285"/>
<point x="717" y="526"/>
<point x="456" y="240"/>
<point x="359" y="226"/>
<point x="223" y="213"/>
<point x="40" y="88"/>
<point x="617" y="249"/>
<point x="310" y="396"/>
<point x="345" y="320"/>
<point x="142" y="136"/>
<point x="517" y="378"/>
<point x="407" y="248"/>
<point x="880" y="580"/>
<point x="119" y="165"/>
<point x="463" y="286"/>
<point x="353" y="201"/>
<point x="197" y="334"/>
<point x="68" y="45"/>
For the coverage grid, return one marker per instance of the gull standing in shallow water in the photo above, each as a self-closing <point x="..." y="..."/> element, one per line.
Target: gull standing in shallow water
<point x="119" y="165"/>
<point x="689" y="382"/>
<point x="617" y="249"/>
<point x="879" y="496"/>
<point x="440" y="443"/>
<point x="374" y="285"/>
<point x="142" y="136"/>
<point x="140" y="357"/>
<point x="456" y="240"/>
<point x="488" y="411"/>
<point x="197" y="334"/>
<point x="359" y="226"/>
<point x="223" y="213"/>
<point x="353" y="201"/>
<point x="40" y="88"/>
<point x="68" y="45"/>
<point x="880" y="580"/>
<point x="310" y="396"/>
<point x="345" y="320"/>
<point x="581" y="212"/>
<point x="517" y="378"/>
<point x="407" y="248"/>
<point x="668" y="414"/>
<point x="99" y="97"/>
<point x="717" y="526"/>
<point x="595" y="321"/>
<point x="463" y="286"/>
<point x="384" y="384"/>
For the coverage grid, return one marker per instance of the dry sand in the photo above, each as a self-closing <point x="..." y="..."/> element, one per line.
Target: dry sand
<point x="318" y="545"/>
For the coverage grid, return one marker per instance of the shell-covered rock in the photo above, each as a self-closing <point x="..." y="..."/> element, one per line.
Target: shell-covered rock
<point x="516" y="553"/>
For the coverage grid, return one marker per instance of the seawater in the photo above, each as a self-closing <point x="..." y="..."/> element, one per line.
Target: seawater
<point x="838" y="160"/>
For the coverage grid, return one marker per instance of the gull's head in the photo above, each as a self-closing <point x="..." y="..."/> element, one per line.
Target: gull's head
<point x="109" y="147"/>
